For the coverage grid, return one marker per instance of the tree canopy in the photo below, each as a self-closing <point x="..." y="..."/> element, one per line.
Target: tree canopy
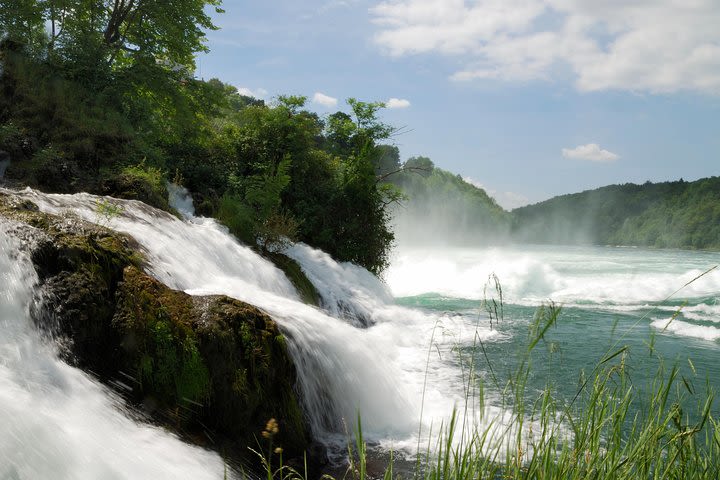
<point x="119" y="32"/>
<point x="267" y="170"/>
<point x="676" y="214"/>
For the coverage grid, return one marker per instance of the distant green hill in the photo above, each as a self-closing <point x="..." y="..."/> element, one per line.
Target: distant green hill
<point x="670" y="214"/>
<point x="443" y="208"/>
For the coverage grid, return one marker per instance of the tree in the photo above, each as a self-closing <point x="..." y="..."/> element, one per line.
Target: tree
<point x="22" y="21"/>
<point x="387" y="160"/>
<point x="115" y="31"/>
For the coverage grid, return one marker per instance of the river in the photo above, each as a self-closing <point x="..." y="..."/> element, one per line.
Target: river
<point x="396" y="353"/>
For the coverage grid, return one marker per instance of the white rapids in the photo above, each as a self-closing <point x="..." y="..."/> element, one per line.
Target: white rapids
<point x="58" y="422"/>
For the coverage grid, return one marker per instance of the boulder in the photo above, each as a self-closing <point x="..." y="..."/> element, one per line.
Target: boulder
<point x="212" y="368"/>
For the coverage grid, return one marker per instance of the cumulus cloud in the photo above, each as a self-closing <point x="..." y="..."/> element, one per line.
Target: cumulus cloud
<point x="507" y="200"/>
<point x="475" y="183"/>
<point x="590" y="152"/>
<point x="643" y="45"/>
<point x="257" y="93"/>
<point x="324" y="100"/>
<point x="397" y="103"/>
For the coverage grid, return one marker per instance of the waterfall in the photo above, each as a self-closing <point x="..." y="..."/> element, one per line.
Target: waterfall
<point x="345" y="289"/>
<point x="380" y="369"/>
<point x="341" y="369"/>
<point x="58" y="422"/>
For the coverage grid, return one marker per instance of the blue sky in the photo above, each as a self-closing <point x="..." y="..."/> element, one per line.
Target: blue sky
<point x="527" y="98"/>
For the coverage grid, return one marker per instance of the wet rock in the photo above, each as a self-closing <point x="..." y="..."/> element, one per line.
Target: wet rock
<point x="222" y="362"/>
<point x="131" y="187"/>
<point x="307" y="291"/>
<point x="212" y="368"/>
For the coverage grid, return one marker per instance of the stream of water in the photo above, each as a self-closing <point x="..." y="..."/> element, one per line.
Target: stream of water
<point x="385" y="350"/>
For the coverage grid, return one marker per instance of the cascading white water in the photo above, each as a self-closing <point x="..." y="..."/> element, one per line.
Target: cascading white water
<point x="383" y="372"/>
<point x="345" y="289"/>
<point x="181" y="200"/>
<point x="532" y="274"/>
<point x="56" y="421"/>
<point x="341" y="369"/>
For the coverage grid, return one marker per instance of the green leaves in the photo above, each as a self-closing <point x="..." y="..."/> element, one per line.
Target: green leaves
<point x="116" y="31"/>
<point x="266" y="171"/>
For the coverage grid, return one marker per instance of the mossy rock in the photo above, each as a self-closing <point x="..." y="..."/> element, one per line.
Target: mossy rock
<point x="136" y="187"/>
<point x="218" y="361"/>
<point x="252" y="375"/>
<point x="305" y="288"/>
<point x="207" y="367"/>
<point x="160" y="347"/>
<point x="80" y="266"/>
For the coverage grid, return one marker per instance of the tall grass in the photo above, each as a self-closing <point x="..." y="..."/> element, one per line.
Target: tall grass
<point x="610" y="429"/>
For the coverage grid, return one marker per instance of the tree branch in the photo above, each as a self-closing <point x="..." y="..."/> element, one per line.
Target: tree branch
<point x="417" y="170"/>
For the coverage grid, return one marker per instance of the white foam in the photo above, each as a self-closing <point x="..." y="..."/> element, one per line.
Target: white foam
<point x="180" y="199"/>
<point x="574" y="275"/>
<point x="345" y="289"/>
<point x="59" y="423"/>
<point x="685" y="329"/>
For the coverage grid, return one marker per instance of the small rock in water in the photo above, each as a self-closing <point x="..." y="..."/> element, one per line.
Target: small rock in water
<point x="23" y="204"/>
<point x="4" y="162"/>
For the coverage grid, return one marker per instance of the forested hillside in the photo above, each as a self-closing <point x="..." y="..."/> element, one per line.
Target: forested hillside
<point x="440" y="207"/>
<point x="676" y="214"/>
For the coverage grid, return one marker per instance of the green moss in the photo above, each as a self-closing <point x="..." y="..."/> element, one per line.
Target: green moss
<point x="253" y="377"/>
<point x="175" y="368"/>
<point x="293" y="419"/>
<point x="216" y="351"/>
<point x="193" y="382"/>
<point x="240" y="385"/>
<point x="199" y="363"/>
<point x="164" y="346"/>
<point x="138" y="182"/>
<point x="307" y="291"/>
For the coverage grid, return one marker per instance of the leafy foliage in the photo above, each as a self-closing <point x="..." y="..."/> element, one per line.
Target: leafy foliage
<point x="115" y="32"/>
<point x="670" y="214"/>
<point x="97" y="96"/>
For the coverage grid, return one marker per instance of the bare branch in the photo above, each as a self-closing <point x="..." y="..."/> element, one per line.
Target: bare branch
<point x="418" y="170"/>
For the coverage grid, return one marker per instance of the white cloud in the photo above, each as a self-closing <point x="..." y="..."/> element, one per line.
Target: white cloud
<point x="511" y="200"/>
<point x="257" y="93"/>
<point x="397" y="103"/>
<point x="590" y="152"/>
<point x="640" y="45"/>
<point x="507" y="200"/>
<point x="334" y="4"/>
<point x="324" y="100"/>
<point x="474" y="182"/>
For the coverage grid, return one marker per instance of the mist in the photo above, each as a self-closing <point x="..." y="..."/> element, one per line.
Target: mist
<point x="442" y="209"/>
